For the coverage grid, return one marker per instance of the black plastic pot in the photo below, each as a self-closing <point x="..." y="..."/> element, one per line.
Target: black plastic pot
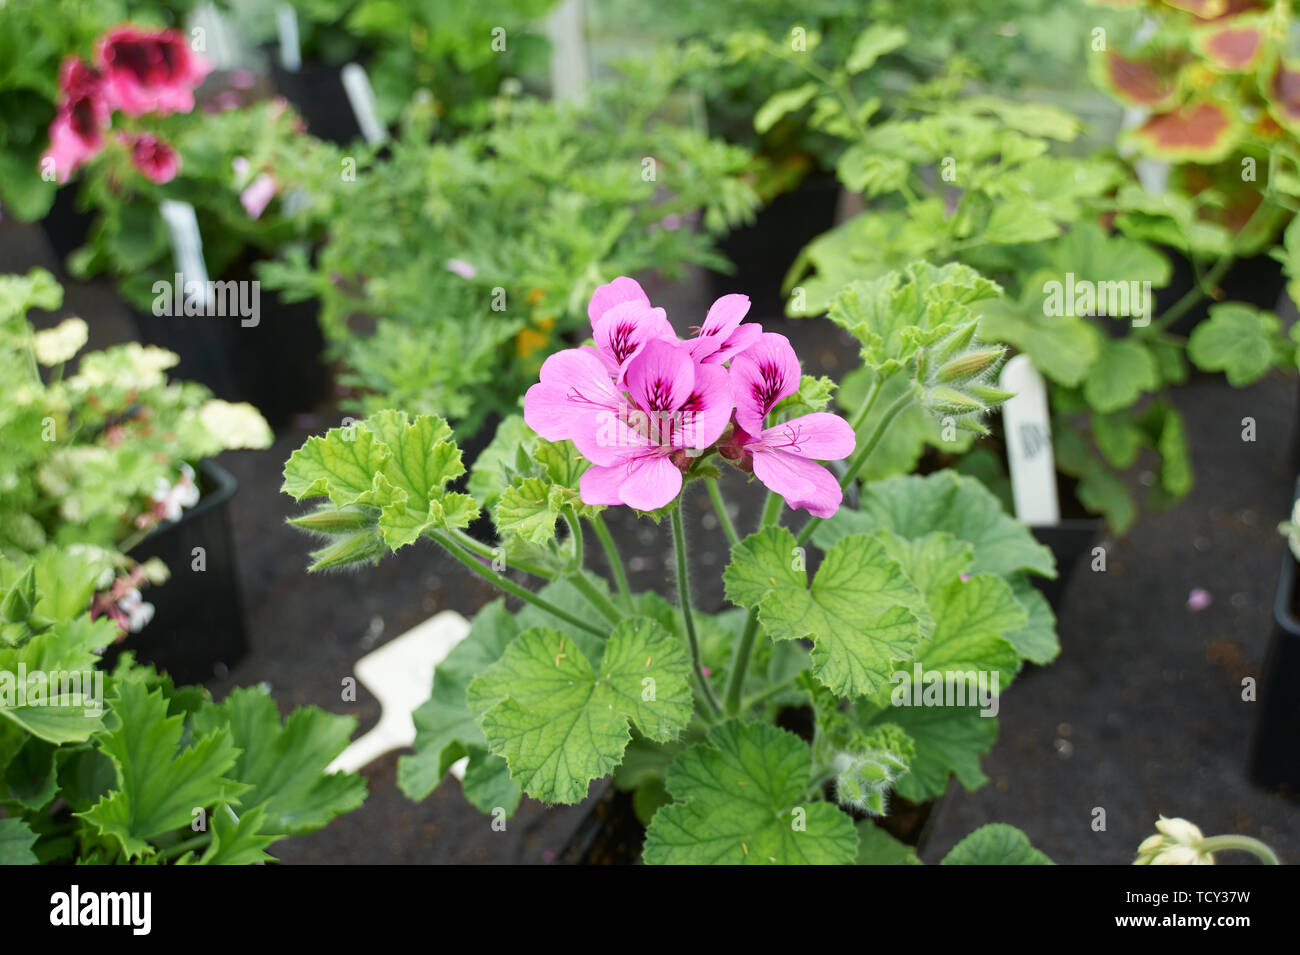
<point x="65" y="226"/>
<point x="1256" y="281"/>
<point x="764" y="251"/>
<point x="198" y="623"/>
<point x="276" y="365"/>
<point x="316" y="91"/>
<point x="1275" y="751"/>
<point x="1068" y="541"/>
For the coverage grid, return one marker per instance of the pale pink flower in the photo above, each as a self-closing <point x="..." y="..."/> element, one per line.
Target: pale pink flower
<point x="462" y="268"/>
<point x="257" y="195"/>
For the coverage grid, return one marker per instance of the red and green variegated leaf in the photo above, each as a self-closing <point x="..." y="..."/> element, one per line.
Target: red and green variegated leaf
<point x="1283" y="94"/>
<point x="1149" y="83"/>
<point x="1198" y="132"/>
<point x="1235" y="48"/>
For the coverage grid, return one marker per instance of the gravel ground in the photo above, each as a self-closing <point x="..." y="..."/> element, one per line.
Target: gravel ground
<point x="1141" y="714"/>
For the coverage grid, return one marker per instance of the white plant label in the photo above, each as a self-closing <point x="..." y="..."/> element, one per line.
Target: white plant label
<point x="357" y="85"/>
<point x="1029" y="444"/>
<point x="286" y="25"/>
<point x="187" y="246"/>
<point x="566" y="30"/>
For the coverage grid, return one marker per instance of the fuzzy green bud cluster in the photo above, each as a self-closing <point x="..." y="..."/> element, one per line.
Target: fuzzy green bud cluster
<point x="352" y="534"/>
<point x="957" y="375"/>
<point x="864" y="779"/>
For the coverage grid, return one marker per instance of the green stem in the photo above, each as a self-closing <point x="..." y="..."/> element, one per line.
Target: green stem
<point x="1192" y="296"/>
<point x="489" y="553"/>
<point x="597" y="598"/>
<point x="740" y="663"/>
<point x="197" y="842"/>
<point x="767" y="694"/>
<point x="508" y="585"/>
<point x="861" y="456"/>
<point x="715" y="495"/>
<point x="771" y="509"/>
<point x="1243" y="843"/>
<point x="688" y="615"/>
<point x="740" y="653"/>
<point x="575" y="537"/>
<point x="612" y="556"/>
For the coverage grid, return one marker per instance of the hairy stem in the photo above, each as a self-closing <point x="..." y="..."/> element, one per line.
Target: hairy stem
<point x="688" y="614"/>
<point x="613" y="557"/>
<point x="861" y="455"/>
<point x="715" y="495"/>
<point x="508" y="585"/>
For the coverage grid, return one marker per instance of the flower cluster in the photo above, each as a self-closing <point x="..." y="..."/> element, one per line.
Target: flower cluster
<point x="138" y="72"/>
<point x="642" y="405"/>
<point x="123" y="603"/>
<point x="1177" y="842"/>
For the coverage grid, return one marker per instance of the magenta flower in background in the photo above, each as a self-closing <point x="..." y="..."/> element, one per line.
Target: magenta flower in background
<point x="150" y="71"/>
<point x="257" y="195"/>
<point x="722" y="336"/>
<point x="155" y="159"/>
<point x="77" y="130"/>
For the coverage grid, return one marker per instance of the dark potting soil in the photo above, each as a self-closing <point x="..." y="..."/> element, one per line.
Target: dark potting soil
<point x="1141" y="715"/>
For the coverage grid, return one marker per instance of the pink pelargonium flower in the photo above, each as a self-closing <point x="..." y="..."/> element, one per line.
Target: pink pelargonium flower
<point x="77" y="130"/>
<point x="784" y="457"/>
<point x="637" y="441"/>
<point x="722" y="336"/>
<point x="154" y="158"/>
<point x="150" y="71"/>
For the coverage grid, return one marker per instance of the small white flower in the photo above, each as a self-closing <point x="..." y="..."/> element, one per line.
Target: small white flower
<point x="1180" y="830"/>
<point x="54" y="346"/>
<point x="138" y="611"/>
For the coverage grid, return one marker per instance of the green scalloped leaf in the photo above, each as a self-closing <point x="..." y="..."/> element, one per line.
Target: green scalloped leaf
<point x="914" y="506"/>
<point x="560" y="722"/>
<point x="1239" y="340"/>
<point x="742" y="799"/>
<point x="995" y="844"/>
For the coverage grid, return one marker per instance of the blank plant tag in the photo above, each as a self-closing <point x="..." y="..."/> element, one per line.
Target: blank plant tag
<point x="187" y="247"/>
<point x="566" y="30"/>
<point x="1029" y="444"/>
<point x="357" y="85"/>
<point x="286" y="25"/>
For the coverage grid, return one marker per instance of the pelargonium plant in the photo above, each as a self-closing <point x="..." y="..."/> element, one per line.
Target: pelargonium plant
<point x="137" y="73"/>
<point x="918" y="613"/>
<point x="100" y="456"/>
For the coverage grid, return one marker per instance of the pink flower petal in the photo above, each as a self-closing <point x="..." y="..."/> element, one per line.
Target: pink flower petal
<point x="622" y="289"/>
<point x="624" y="330"/>
<point x="661" y="377"/>
<point x="801" y="482"/>
<point x="818" y="436"/>
<point x="762" y="375"/>
<point x="707" y="412"/>
<point x="653" y="481"/>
